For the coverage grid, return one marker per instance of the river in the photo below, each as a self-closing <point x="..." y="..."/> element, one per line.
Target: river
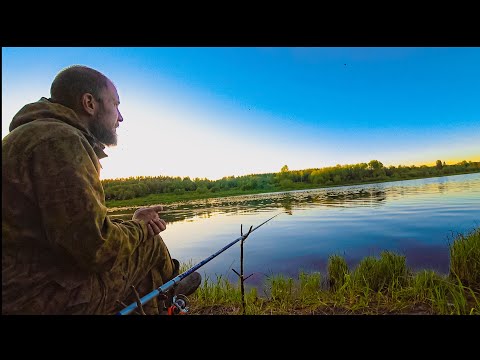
<point x="415" y="218"/>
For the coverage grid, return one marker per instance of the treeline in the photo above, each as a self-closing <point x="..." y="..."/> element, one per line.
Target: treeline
<point x="374" y="171"/>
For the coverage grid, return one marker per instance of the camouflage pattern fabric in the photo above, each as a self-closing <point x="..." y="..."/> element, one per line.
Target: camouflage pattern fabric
<point x="61" y="252"/>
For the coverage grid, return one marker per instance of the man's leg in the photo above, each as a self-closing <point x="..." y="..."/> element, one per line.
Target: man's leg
<point x="147" y="269"/>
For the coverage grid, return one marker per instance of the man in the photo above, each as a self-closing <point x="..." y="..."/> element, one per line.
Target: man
<point x="61" y="252"/>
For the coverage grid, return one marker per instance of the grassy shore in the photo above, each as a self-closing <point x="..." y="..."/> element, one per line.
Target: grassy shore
<point x="381" y="285"/>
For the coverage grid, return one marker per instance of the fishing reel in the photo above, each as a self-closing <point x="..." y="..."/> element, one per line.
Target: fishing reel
<point x="179" y="305"/>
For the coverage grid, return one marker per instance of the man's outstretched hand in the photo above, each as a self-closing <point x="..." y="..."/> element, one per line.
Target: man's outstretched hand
<point x="150" y="216"/>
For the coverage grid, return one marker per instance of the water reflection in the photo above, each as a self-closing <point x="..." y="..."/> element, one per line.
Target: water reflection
<point x="346" y="196"/>
<point x="331" y="197"/>
<point x="287" y="204"/>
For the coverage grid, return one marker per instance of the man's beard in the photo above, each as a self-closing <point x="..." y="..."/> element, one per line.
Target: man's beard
<point x="103" y="134"/>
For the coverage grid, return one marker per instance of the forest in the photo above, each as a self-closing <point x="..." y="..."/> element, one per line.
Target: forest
<point x="285" y="179"/>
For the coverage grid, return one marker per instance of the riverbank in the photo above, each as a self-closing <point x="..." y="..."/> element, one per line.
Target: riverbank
<point x="377" y="286"/>
<point x="170" y="198"/>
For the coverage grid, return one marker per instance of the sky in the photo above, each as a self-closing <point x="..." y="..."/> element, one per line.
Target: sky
<point x="210" y="112"/>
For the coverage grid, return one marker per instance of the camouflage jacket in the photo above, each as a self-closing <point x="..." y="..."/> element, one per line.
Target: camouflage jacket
<point x="55" y="227"/>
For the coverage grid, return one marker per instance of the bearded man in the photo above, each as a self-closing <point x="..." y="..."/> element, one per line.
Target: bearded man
<point x="61" y="252"/>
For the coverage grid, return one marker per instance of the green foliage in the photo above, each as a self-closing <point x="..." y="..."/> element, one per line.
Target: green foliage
<point x="310" y="284"/>
<point x="281" y="288"/>
<point x="375" y="165"/>
<point x="384" y="274"/>
<point x="465" y="258"/>
<point x="337" y="270"/>
<point x="166" y="187"/>
<point x="376" y="286"/>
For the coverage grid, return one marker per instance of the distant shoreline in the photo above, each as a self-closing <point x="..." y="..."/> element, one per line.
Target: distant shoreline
<point x="154" y="199"/>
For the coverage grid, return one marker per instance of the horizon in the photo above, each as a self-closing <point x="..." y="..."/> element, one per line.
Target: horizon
<point x="212" y="112"/>
<point x="251" y="174"/>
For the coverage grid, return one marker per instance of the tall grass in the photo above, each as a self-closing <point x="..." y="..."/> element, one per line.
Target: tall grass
<point x="383" y="285"/>
<point x="465" y="258"/>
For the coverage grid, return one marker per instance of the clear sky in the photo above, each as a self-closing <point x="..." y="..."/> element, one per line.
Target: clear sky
<point x="220" y="111"/>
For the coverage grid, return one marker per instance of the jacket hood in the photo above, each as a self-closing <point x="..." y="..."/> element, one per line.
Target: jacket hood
<point x="45" y="109"/>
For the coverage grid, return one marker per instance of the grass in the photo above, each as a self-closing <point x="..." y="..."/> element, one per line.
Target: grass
<point x="382" y="285"/>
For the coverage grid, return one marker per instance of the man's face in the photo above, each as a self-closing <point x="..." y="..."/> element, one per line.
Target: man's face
<point x="107" y="118"/>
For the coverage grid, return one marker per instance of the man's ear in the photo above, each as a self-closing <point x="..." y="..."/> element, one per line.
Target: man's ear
<point x="88" y="103"/>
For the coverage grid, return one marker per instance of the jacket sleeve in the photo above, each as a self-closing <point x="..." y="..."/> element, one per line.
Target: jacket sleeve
<point x="71" y="201"/>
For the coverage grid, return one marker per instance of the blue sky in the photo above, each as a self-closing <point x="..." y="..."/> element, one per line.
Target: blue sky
<point x="221" y="111"/>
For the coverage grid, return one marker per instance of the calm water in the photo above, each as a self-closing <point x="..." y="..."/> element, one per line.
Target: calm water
<point x="415" y="218"/>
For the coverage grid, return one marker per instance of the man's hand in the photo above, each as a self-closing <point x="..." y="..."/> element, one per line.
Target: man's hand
<point x="150" y="216"/>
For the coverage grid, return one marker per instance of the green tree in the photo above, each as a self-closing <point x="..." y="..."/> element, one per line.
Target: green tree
<point x="375" y="165"/>
<point x="439" y="165"/>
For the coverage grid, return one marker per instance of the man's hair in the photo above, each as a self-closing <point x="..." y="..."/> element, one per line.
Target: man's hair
<point x="72" y="82"/>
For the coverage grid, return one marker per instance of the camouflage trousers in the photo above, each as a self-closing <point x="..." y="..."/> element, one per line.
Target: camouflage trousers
<point x="78" y="293"/>
<point x="147" y="269"/>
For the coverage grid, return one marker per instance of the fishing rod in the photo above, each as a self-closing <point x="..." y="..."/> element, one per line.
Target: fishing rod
<point x="181" y="301"/>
